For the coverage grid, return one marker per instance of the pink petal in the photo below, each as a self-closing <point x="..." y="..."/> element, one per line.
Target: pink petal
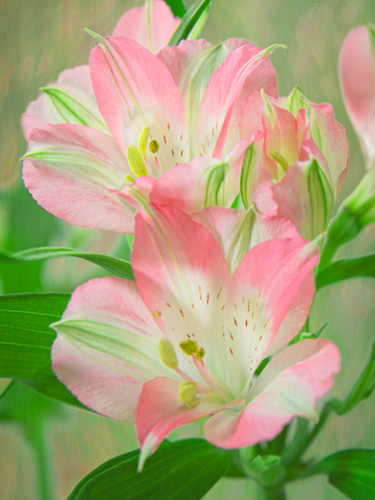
<point x="270" y="282"/>
<point x="333" y="144"/>
<point x="151" y="25"/>
<point x="159" y="412"/>
<point x="232" y="82"/>
<point x="191" y="63"/>
<point x="289" y="386"/>
<point x="106" y="347"/>
<point x="182" y="276"/>
<point x="239" y="231"/>
<point x="76" y="82"/>
<point x="134" y="89"/>
<point x="202" y="182"/>
<point x="72" y="172"/>
<point x="357" y="78"/>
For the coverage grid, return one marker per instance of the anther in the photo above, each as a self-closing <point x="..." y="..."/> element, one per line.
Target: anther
<point x="189" y="347"/>
<point x="187" y="393"/>
<point x="167" y="354"/>
<point x="153" y="146"/>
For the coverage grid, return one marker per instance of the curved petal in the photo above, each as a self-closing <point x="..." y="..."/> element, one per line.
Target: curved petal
<point x="289" y="386"/>
<point x="331" y="139"/>
<point x="71" y="169"/>
<point x="357" y="78"/>
<point x="201" y="183"/>
<point x="191" y="63"/>
<point x="159" y="412"/>
<point x="239" y="231"/>
<point x="182" y="276"/>
<point x="70" y="99"/>
<point x="245" y="70"/>
<point x="305" y="196"/>
<point x="262" y="291"/>
<point x="151" y="25"/>
<point x="107" y="347"/>
<point x="134" y="90"/>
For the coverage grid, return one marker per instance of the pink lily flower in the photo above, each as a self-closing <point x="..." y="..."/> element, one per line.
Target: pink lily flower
<point x="71" y="98"/>
<point x="157" y="111"/>
<point x="357" y="78"/>
<point x="298" y="159"/>
<point x="184" y="342"/>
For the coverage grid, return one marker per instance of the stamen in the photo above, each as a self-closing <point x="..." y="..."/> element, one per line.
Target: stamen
<point x="142" y="143"/>
<point x="135" y="161"/>
<point x="167" y="354"/>
<point x="187" y="393"/>
<point x="129" y="178"/>
<point x="153" y="146"/>
<point x="200" y="354"/>
<point x="189" y="347"/>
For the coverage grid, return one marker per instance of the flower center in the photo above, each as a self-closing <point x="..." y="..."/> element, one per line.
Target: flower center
<point x="136" y="156"/>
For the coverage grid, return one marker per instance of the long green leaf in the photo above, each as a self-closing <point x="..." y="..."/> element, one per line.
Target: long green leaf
<point x="346" y="269"/>
<point x="351" y="472"/>
<point x="192" y="23"/>
<point x="178" y="7"/>
<point x="26" y="340"/>
<point x="116" y="266"/>
<point x="185" y="469"/>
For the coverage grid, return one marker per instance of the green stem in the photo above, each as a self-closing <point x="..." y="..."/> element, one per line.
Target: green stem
<point x="298" y="444"/>
<point x="37" y="438"/>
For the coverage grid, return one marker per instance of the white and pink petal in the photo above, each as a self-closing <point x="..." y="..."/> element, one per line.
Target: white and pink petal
<point x="289" y="386"/>
<point x="107" y="347"/>
<point x="72" y="171"/>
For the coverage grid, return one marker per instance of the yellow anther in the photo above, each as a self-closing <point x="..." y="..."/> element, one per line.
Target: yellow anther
<point x="136" y="162"/>
<point x="129" y="178"/>
<point x="167" y="354"/>
<point x="142" y="143"/>
<point x="189" y="347"/>
<point x="187" y="393"/>
<point x="200" y="354"/>
<point x="153" y="146"/>
<point x="158" y="313"/>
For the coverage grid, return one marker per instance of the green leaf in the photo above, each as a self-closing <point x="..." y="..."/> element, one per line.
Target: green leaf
<point x="346" y="269"/>
<point x="178" y="7"/>
<point x="185" y="469"/>
<point x="351" y="472"/>
<point x="116" y="266"/>
<point x="26" y="340"/>
<point x="192" y="23"/>
<point x="362" y="389"/>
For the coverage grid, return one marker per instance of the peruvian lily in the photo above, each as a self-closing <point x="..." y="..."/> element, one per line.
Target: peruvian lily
<point x="71" y="98"/>
<point x="297" y="162"/>
<point x="156" y="111"/>
<point x="186" y="340"/>
<point x="357" y="78"/>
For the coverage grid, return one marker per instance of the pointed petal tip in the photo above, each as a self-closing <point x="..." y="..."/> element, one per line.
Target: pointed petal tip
<point x="146" y="451"/>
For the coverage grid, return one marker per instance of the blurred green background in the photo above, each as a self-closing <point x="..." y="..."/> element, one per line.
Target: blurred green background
<point x="40" y="38"/>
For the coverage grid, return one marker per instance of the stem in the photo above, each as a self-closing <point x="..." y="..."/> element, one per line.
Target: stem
<point x="298" y="444"/>
<point x="37" y="438"/>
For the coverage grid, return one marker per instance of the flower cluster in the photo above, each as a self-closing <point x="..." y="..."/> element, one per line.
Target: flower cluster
<point x="225" y="186"/>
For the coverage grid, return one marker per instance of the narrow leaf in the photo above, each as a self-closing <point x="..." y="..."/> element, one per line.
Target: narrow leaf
<point x="26" y="340"/>
<point x="116" y="266"/>
<point x="351" y="472"/>
<point x="362" y="389"/>
<point x="178" y="7"/>
<point x="346" y="269"/>
<point x="191" y="18"/>
<point x="185" y="469"/>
